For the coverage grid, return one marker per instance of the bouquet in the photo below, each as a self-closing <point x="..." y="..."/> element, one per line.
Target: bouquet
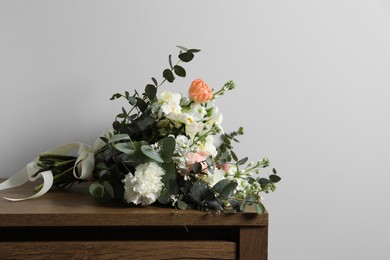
<point x="165" y="148"/>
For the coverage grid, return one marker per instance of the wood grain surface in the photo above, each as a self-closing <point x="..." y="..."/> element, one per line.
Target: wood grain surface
<point x="75" y="207"/>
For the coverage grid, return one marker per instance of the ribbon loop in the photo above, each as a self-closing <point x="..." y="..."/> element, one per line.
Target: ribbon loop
<point x="85" y="163"/>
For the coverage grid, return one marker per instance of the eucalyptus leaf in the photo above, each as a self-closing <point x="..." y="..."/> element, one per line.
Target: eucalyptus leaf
<point x="179" y="71"/>
<point x="228" y="190"/>
<point x="115" y="96"/>
<point x="260" y="208"/>
<point x="168" y="145"/>
<point x="233" y="154"/>
<point x="168" y="75"/>
<point x="145" y="122"/>
<point x="219" y="186"/>
<point x="182" y="205"/>
<point x="173" y="188"/>
<point x="199" y="191"/>
<point x="150" y="91"/>
<point x="242" y="161"/>
<point x="118" y="137"/>
<point x="170" y="61"/>
<point x="182" y="48"/>
<point x="96" y="190"/>
<point x="186" y="56"/>
<point x="152" y="154"/>
<point x="164" y="197"/>
<point x="274" y="178"/>
<point x="109" y="189"/>
<point x="170" y="172"/>
<point x="141" y="104"/>
<point x="132" y="100"/>
<point x="197" y="167"/>
<point x="155" y="82"/>
<point x="263" y="182"/>
<point x="193" y="50"/>
<point x="126" y="148"/>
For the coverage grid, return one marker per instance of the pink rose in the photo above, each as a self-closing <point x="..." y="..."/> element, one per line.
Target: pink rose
<point x="199" y="157"/>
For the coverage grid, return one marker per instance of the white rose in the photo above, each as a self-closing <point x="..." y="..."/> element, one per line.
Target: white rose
<point x="145" y="185"/>
<point x="170" y="102"/>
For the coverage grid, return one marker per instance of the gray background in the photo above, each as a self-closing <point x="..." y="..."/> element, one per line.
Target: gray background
<point x="312" y="94"/>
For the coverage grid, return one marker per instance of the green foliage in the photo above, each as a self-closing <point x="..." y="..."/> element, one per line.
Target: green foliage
<point x="102" y="192"/>
<point x="168" y="75"/>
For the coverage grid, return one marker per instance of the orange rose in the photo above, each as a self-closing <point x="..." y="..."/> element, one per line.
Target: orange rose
<point x="199" y="91"/>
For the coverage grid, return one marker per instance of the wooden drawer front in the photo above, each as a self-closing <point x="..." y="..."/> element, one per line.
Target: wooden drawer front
<point x="119" y="250"/>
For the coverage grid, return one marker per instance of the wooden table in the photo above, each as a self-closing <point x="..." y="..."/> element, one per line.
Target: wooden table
<point x="69" y="224"/>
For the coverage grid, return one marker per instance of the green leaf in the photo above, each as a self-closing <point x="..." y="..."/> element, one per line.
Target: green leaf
<point x="180" y="71"/>
<point x="260" y="208"/>
<point x="119" y="137"/>
<point x="173" y="188"/>
<point x="274" y="178"/>
<point x="193" y="50"/>
<point x="219" y="186"/>
<point x="109" y="189"/>
<point x="126" y="148"/>
<point x="115" y="96"/>
<point x="186" y="56"/>
<point x="150" y="91"/>
<point x="182" y="48"/>
<point x="199" y="191"/>
<point x="164" y="197"/>
<point x="101" y="166"/>
<point x="263" y="182"/>
<point x="234" y="155"/>
<point x="121" y="116"/>
<point x="181" y="204"/>
<point x="96" y="190"/>
<point x="132" y="100"/>
<point x="170" y="61"/>
<point x="145" y="122"/>
<point x="155" y="82"/>
<point x="274" y="171"/>
<point x="168" y="75"/>
<point x="228" y="190"/>
<point x="170" y="172"/>
<point x="197" y="167"/>
<point x="152" y="154"/>
<point x="141" y="104"/>
<point x="242" y="161"/>
<point x="168" y="145"/>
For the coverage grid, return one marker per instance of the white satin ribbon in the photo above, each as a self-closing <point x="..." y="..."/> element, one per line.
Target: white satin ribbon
<point x="82" y="169"/>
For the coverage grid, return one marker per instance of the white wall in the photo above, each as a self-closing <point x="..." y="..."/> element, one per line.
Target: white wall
<point x="313" y="95"/>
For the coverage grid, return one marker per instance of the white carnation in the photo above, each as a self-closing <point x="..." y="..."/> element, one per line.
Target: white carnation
<point x="145" y="185"/>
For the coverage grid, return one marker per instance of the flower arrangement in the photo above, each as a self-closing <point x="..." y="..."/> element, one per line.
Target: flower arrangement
<point x="163" y="150"/>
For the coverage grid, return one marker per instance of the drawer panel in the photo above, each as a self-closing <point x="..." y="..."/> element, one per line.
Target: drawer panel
<point x="119" y="250"/>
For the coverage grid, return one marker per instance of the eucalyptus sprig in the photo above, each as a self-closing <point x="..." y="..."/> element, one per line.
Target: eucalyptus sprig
<point x="138" y="122"/>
